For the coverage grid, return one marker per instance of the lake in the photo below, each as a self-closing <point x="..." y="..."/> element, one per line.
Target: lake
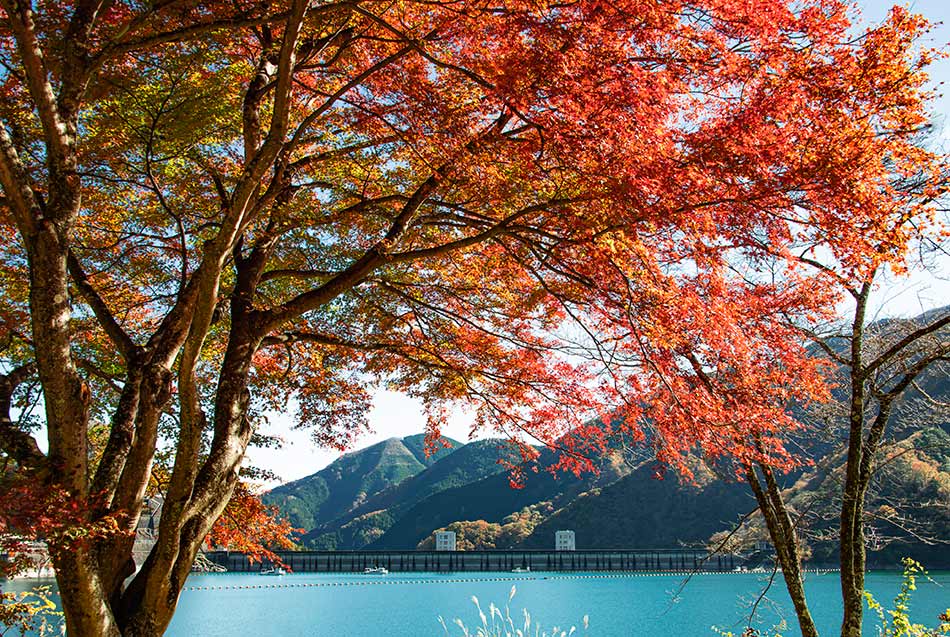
<point x="408" y="604"/>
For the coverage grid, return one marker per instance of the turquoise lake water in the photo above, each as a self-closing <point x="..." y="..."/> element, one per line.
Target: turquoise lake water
<point x="408" y="604"/>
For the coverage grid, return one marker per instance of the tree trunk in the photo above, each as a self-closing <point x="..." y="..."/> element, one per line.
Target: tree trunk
<point x="852" y="534"/>
<point x="851" y="529"/>
<point x="782" y="531"/>
<point x="85" y="601"/>
<point x="852" y="576"/>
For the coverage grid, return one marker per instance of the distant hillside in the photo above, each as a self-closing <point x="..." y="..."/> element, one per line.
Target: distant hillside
<point x="390" y="496"/>
<point x="642" y="511"/>
<point x="908" y="502"/>
<point x="368" y="521"/>
<point x="492" y="499"/>
<point x="351" y="479"/>
<point x="620" y="507"/>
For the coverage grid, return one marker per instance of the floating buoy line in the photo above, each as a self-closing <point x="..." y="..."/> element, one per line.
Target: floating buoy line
<point x="462" y="580"/>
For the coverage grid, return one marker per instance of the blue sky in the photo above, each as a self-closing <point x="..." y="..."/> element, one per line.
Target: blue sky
<point x="395" y="414"/>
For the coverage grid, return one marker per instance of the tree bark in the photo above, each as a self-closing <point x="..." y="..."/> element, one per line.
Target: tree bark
<point x="787" y="550"/>
<point x="851" y="529"/>
<point x="84" y="599"/>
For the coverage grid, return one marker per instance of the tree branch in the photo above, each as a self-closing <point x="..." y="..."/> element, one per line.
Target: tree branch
<point x="894" y="349"/>
<point x="20" y="19"/>
<point x="20" y="197"/>
<point x="117" y="49"/>
<point x="110" y="325"/>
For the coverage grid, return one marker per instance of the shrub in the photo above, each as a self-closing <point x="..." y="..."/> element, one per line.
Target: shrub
<point x="896" y="622"/>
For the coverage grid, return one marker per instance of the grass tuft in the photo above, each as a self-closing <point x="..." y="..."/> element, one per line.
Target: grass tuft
<point x="500" y="623"/>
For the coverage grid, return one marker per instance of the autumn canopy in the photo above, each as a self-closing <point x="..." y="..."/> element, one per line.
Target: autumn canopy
<point x="552" y="211"/>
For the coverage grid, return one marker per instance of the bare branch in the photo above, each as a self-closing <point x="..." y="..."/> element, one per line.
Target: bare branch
<point x="885" y="357"/>
<point x="110" y="325"/>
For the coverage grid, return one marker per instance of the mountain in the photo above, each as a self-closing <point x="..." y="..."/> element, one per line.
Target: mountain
<point x="492" y="499"/>
<point x="391" y="496"/>
<point x="366" y="522"/>
<point x="351" y="479"/>
<point x="621" y="507"/>
<point x="642" y="511"/>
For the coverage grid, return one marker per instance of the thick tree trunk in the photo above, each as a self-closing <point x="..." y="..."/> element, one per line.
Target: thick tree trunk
<point x="65" y="394"/>
<point x="85" y="601"/>
<point x="150" y="600"/>
<point x="189" y="513"/>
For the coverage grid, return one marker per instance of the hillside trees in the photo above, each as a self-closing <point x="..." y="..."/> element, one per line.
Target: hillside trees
<point x="479" y="535"/>
<point x="211" y="207"/>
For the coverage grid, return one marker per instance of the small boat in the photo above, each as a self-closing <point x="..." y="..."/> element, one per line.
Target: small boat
<point x="274" y="570"/>
<point x="526" y="569"/>
<point x="375" y="570"/>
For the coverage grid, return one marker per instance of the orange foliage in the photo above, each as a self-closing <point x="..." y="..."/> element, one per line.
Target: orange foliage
<point x="549" y="212"/>
<point x="250" y="526"/>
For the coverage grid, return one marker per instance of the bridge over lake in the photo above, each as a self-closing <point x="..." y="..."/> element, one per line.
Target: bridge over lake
<point x="491" y="560"/>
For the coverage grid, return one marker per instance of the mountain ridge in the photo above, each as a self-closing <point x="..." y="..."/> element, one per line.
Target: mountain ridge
<point x="351" y="479"/>
<point x="404" y="498"/>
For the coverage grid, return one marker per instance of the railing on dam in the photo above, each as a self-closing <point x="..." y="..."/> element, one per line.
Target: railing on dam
<point x="495" y="560"/>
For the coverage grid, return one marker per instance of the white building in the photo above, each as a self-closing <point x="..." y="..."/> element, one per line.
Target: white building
<point x="445" y="540"/>
<point x="564" y="541"/>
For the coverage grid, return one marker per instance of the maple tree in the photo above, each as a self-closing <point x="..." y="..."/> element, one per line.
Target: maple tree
<point x="874" y="366"/>
<point x="705" y="330"/>
<point x="214" y="207"/>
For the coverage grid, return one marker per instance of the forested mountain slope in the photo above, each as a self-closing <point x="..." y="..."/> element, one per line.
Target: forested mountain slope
<point x="391" y="496"/>
<point x="351" y="479"/>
